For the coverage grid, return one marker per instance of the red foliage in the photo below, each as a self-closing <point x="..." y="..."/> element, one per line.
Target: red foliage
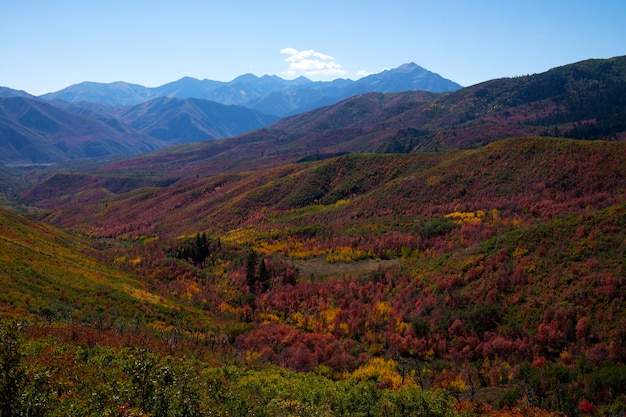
<point x="586" y="407"/>
<point x="284" y="345"/>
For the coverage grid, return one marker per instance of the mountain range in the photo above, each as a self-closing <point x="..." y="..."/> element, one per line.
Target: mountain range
<point x="581" y="100"/>
<point x="266" y="94"/>
<point x="91" y="120"/>
<point x="33" y="131"/>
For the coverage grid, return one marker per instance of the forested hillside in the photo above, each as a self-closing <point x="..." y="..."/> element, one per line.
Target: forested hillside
<point x="495" y="273"/>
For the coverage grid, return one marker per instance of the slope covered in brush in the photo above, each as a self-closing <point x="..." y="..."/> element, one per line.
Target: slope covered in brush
<point x="529" y="178"/>
<point x="51" y="274"/>
<point x="496" y="273"/>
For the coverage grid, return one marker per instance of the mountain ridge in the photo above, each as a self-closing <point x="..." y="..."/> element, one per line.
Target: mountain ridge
<point x="565" y="101"/>
<point x="248" y="88"/>
<point x="35" y="131"/>
<point x="109" y="107"/>
<point x="192" y="120"/>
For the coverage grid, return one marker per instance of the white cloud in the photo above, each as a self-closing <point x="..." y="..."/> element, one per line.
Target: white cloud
<point x="363" y="73"/>
<point x="310" y="63"/>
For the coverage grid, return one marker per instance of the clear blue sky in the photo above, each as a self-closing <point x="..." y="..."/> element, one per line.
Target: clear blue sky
<point x="47" y="45"/>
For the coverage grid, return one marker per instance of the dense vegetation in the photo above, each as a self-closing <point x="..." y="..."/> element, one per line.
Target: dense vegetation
<point x="462" y="282"/>
<point x="374" y="283"/>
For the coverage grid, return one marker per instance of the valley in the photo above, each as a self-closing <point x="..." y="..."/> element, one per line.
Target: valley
<point x="457" y="253"/>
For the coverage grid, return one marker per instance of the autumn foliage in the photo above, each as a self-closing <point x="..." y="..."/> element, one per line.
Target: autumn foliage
<point x="481" y="282"/>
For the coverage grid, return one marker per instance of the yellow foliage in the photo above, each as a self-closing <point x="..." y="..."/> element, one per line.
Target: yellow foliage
<point x="383" y="371"/>
<point x="192" y="288"/>
<point x="346" y="254"/>
<point x="517" y="223"/>
<point x="292" y="248"/>
<point x="301" y="321"/>
<point x="381" y="313"/>
<point x="457" y="385"/>
<point x="269" y="317"/>
<point x="565" y="355"/>
<point x="466" y="216"/>
<point x="227" y="308"/>
<point x="328" y="318"/>
<point x="383" y="310"/>
<point x="142" y="295"/>
<point x="402" y="327"/>
<point x="429" y="355"/>
<point x="162" y="327"/>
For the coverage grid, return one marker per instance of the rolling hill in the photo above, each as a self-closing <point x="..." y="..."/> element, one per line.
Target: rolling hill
<point x="550" y="175"/>
<point x="47" y="273"/>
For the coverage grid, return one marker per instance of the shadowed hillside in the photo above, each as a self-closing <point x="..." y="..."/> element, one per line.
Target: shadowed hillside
<point x="36" y="132"/>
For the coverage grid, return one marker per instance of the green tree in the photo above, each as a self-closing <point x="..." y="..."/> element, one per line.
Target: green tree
<point x="12" y="374"/>
<point x="251" y="263"/>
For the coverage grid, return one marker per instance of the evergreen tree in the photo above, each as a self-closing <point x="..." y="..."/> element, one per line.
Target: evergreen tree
<point x="264" y="276"/>
<point x="251" y="262"/>
<point x="12" y="375"/>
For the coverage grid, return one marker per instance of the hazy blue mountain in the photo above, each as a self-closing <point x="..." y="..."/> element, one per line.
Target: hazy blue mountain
<point x="115" y="94"/>
<point x="268" y="94"/>
<point x="186" y="87"/>
<point x="404" y="78"/>
<point x="192" y="120"/>
<point x="9" y="92"/>
<point x="33" y="131"/>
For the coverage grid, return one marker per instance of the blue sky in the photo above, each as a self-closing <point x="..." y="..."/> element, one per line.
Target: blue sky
<point x="48" y="45"/>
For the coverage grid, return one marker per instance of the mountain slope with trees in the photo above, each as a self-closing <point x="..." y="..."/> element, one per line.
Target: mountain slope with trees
<point x="555" y="103"/>
<point x="495" y="273"/>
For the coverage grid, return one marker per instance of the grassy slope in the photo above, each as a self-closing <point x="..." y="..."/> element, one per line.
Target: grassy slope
<point x="47" y="272"/>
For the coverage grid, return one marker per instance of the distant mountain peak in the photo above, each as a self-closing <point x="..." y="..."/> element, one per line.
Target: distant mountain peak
<point x="408" y="67"/>
<point x="245" y="78"/>
<point x="9" y="92"/>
